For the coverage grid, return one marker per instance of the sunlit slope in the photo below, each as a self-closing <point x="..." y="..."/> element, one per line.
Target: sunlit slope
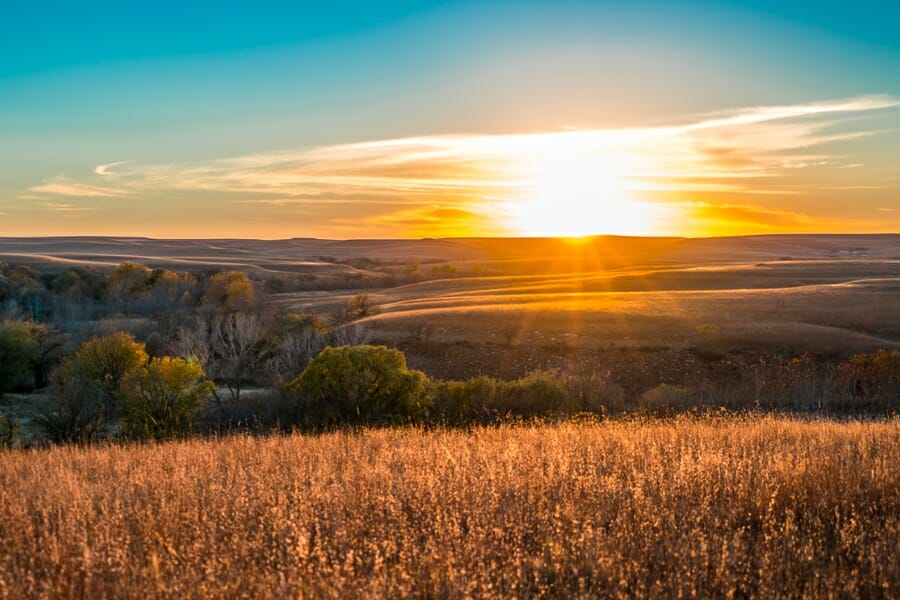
<point x="839" y="306"/>
<point x="486" y="255"/>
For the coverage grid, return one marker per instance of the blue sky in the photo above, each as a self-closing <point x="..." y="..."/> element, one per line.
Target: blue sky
<point x="180" y="87"/>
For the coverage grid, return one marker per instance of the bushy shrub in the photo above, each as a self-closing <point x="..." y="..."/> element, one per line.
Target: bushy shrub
<point x="869" y="382"/>
<point x="538" y="394"/>
<point x="20" y="352"/>
<point x="87" y="388"/>
<point x="594" y="394"/>
<point x="458" y="403"/>
<point x="361" y="385"/>
<point x="665" y="399"/>
<point x="164" y="399"/>
<point x="76" y="412"/>
<point x="231" y="291"/>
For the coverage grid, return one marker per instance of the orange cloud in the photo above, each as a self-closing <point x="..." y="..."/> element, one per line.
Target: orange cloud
<point x="465" y="184"/>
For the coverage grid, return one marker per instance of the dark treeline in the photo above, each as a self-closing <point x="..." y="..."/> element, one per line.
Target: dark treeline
<point x="80" y="293"/>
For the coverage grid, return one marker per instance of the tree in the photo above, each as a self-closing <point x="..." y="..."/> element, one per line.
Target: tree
<point x="169" y="290"/>
<point x="76" y="412"/>
<point x="78" y="291"/>
<point x="164" y="399"/>
<point x="231" y="291"/>
<point x="20" y="354"/>
<point x="87" y="388"/>
<point x="25" y="288"/>
<point x="362" y="384"/>
<point x="229" y="346"/>
<point x="871" y="379"/>
<point x="357" y="307"/>
<point x="192" y="342"/>
<point x="299" y="338"/>
<point x="240" y="344"/>
<point x="126" y="283"/>
<point x="105" y="362"/>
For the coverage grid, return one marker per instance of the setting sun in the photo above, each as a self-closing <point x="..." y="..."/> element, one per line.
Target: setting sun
<point x="574" y="194"/>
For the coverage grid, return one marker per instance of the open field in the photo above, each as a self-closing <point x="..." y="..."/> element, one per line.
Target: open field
<point x="739" y="507"/>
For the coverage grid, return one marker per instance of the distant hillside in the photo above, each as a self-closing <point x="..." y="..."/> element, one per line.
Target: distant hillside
<point x="504" y="254"/>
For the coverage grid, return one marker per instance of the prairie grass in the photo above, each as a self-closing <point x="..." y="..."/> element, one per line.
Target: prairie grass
<point x="714" y="507"/>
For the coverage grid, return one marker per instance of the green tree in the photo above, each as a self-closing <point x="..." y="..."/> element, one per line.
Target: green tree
<point x="20" y="355"/>
<point x="232" y="291"/>
<point x="106" y="361"/>
<point x="164" y="399"/>
<point x="87" y="388"/>
<point x="362" y="384"/>
<point x="76" y="412"/>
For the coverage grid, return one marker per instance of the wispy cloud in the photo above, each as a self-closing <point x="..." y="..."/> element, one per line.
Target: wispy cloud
<point x="736" y="216"/>
<point x="747" y="152"/>
<point x="104" y="170"/>
<point x="761" y="114"/>
<point x="61" y="186"/>
<point x="66" y="208"/>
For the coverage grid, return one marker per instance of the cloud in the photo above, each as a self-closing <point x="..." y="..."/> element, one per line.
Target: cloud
<point x="104" y="170"/>
<point x="743" y="215"/>
<point x="742" y="145"/>
<point x="761" y="114"/>
<point x="63" y="207"/>
<point x="436" y="221"/>
<point x="60" y="186"/>
<point x="396" y="183"/>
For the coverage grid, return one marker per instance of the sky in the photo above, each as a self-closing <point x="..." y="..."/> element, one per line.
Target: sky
<point x="432" y="119"/>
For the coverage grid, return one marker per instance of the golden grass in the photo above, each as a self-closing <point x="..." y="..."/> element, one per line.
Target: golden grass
<point x="756" y="507"/>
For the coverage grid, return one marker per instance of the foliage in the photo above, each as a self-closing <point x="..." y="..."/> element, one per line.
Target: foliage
<point x="461" y="403"/>
<point x="592" y="393"/>
<point x="665" y="399"/>
<point x="20" y="353"/>
<point x="362" y="384"/>
<point x="871" y="380"/>
<point x="127" y="282"/>
<point x="298" y="338"/>
<point x="538" y="394"/>
<point x="164" y="399"/>
<point x="542" y="394"/>
<point x="76" y="412"/>
<point x="87" y="388"/>
<point x="106" y="362"/>
<point x="357" y="307"/>
<point x="230" y="291"/>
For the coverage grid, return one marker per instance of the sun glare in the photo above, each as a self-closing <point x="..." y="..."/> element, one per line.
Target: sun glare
<point x="573" y="194"/>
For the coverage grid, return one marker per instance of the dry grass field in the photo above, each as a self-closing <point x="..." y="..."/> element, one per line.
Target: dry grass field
<point x="726" y="508"/>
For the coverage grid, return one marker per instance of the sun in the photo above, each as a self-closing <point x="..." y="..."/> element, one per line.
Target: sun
<point x="567" y="193"/>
